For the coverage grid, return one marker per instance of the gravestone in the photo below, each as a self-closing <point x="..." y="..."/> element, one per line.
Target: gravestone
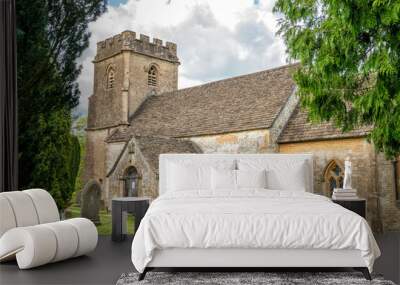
<point x="90" y="199"/>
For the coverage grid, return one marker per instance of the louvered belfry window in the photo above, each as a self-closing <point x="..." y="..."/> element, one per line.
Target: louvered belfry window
<point x="110" y="78"/>
<point x="152" y="78"/>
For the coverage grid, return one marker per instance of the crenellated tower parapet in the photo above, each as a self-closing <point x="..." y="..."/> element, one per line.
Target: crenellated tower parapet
<point x="127" y="41"/>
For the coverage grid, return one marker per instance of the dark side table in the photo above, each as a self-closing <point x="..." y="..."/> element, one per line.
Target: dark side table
<point x="120" y="207"/>
<point x="357" y="205"/>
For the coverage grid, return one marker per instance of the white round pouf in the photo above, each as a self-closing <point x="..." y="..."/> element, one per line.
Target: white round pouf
<point x="33" y="246"/>
<point x="31" y="233"/>
<point x="87" y="234"/>
<point x="67" y="240"/>
<point x="22" y="207"/>
<point x="46" y="207"/>
<point x="7" y="216"/>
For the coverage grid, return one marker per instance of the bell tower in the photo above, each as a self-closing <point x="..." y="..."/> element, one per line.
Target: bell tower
<point x="127" y="70"/>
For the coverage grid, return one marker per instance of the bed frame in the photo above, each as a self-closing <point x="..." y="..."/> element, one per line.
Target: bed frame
<point x="242" y="259"/>
<point x="245" y="259"/>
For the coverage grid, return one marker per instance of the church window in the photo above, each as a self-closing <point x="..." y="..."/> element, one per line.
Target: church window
<point x="110" y="78"/>
<point x="334" y="175"/>
<point x="152" y="76"/>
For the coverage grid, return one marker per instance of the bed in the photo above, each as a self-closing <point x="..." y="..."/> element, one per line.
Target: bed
<point x="238" y="210"/>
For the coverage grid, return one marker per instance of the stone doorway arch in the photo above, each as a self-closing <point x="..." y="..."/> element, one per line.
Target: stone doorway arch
<point x="131" y="182"/>
<point x="91" y="198"/>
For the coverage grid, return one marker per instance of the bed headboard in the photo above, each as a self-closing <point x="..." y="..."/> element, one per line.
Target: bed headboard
<point x="166" y="158"/>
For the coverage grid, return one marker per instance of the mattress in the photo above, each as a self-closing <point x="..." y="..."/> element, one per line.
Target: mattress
<point x="250" y="219"/>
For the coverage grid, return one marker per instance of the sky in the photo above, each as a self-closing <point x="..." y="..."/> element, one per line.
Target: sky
<point x="216" y="39"/>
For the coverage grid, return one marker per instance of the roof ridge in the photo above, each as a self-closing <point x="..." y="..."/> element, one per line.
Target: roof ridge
<point x="154" y="137"/>
<point x="228" y="79"/>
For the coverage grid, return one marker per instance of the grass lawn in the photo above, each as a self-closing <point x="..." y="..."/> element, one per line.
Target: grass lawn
<point x="104" y="228"/>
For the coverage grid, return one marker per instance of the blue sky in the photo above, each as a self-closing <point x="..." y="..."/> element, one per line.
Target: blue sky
<point x="216" y="39"/>
<point x="116" y="2"/>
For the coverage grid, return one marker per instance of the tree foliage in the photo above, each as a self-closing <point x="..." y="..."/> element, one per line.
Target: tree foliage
<point x="52" y="156"/>
<point x="79" y="127"/>
<point x="74" y="160"/>
<point x="51" y="35"/>
<point x="350" y="63"/>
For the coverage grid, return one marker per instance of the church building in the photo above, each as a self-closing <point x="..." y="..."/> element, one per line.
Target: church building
<point x="136" y="112"/>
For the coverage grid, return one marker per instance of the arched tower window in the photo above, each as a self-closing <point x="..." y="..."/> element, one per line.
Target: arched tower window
<point x="110" y="78"/>
<point x="334" y="175"/>
<point x="152" y="76"/>
<point x="130" y="182"/>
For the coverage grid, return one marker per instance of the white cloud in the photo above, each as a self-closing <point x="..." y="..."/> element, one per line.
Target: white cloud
<point x="216" y="38"/>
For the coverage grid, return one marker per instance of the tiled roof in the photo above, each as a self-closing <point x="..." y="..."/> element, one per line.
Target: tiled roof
<point x="152" y="147"/>
<point x="300" y="129"/>
<point x="119" y="135"/>
<point x="246" y="102"/>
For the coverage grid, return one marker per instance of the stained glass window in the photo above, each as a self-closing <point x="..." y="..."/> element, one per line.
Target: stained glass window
<point x="334" y="174"/>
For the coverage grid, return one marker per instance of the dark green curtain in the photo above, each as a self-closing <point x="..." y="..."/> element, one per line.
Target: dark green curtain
<point x="8" y="98"/>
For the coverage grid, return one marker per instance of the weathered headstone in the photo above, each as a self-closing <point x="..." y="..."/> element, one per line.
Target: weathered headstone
<point x="91" y="195"/>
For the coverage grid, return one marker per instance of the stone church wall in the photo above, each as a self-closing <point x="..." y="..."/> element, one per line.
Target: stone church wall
<point x="113" y="151"/>
<point x="105" y="104"/>
<point x="389" y="209"/>
<point x="371" y="175"/>
<point x="257" y="141"/>
<point x="95" y="155"/>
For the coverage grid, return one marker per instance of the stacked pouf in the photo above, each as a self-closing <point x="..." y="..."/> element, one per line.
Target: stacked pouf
<point x="31" y="230"/>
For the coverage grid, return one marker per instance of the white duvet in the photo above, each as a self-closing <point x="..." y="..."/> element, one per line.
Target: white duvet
<point x="250" y="219"/>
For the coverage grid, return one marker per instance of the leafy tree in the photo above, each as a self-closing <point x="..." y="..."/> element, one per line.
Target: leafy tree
<point x="350" y="63"/>
<point x="51" y="35"/>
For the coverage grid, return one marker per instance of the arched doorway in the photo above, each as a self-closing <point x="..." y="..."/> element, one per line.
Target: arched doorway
<point x="131" y="182"/>
<point x="334" y="175"/>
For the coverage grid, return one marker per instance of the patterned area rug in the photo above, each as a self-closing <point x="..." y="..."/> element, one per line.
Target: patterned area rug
<point x="243" y="278"/>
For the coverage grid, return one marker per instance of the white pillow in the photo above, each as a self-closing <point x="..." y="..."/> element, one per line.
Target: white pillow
<point x="202" y="167"/>
<point x="282" y="174"/>
<point x="223" y="179"/>
<point x="185" y="177"/>
<point x="215" y="163"/>
<point x="293" y="180"/>
<point x="251" y="178"/>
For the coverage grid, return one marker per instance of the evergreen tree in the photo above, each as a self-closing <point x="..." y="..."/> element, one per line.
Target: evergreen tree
<point x="51" y="35"/>
<point x="350" y="63"/>
<point x="52" y="156"/>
